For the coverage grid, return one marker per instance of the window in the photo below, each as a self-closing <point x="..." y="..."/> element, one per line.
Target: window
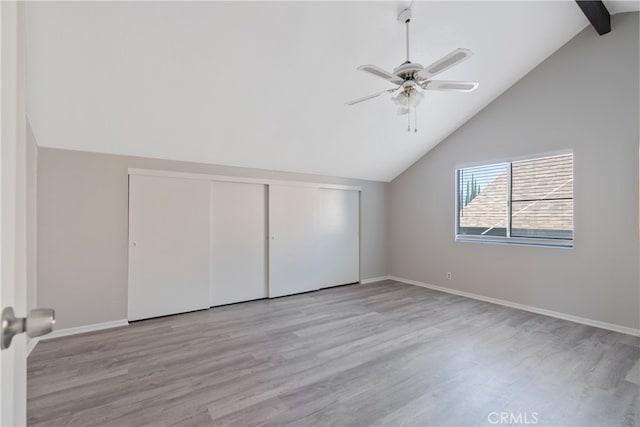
<point x="526" y="201"/>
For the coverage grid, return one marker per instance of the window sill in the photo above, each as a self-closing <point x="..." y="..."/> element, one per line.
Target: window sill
<point x="549" y="243"/>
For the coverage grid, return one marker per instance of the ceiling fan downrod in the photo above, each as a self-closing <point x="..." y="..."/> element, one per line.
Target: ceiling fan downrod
<point x="404" y="18"/>
<point x="408" y="41"/>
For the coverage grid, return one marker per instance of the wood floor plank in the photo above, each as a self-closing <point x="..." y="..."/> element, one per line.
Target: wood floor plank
<point x="381" y="354"/>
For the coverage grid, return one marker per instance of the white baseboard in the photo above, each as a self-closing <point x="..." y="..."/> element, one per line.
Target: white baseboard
<point x="374" y="279"/>
<point x="76" y="330"/>
<point x="577" y="319"/>
<point x="86" y="328"/>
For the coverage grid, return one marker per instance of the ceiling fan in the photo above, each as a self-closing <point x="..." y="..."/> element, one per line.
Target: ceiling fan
<point x="411" y="78"/>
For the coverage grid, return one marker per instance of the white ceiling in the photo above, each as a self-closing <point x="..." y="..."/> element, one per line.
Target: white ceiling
<point x="263" y="84"/>
<point x="622" y="6"/>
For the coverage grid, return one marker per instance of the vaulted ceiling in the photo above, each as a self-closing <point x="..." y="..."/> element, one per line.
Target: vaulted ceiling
<point x="263" y="84"/>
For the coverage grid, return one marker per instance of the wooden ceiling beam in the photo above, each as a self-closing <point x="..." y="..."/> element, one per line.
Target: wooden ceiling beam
<point x="597" y="14"/>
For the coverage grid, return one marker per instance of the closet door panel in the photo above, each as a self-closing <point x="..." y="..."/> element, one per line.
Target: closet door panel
<point x="339" y="246"/>
<point x="168" y="246"/>
<point x="294" y="265"/>
<point x="238" y="242"/>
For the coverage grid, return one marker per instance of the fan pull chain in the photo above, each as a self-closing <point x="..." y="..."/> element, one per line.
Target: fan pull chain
<point x="415" y="119"/>
<point x="408" y="112"/>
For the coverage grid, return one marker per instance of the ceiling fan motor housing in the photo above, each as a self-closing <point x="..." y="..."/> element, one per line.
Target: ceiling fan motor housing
<point x="407" y="70"/>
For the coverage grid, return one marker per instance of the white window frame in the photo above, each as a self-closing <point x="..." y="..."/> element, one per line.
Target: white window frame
<point x="526" y="241"/>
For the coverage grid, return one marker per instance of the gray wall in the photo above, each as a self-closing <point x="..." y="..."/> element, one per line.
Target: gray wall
<point x="585" y="98"/>
<point x="82" y="229"/>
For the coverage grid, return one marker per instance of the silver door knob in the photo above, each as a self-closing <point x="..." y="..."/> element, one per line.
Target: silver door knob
<point x="38" y="322"/>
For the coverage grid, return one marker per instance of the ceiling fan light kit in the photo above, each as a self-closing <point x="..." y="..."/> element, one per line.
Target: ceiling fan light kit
<point x="412" y="78"/>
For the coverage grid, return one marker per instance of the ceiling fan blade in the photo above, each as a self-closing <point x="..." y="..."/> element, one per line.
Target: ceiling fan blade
<point x="379" y="72"/>
<point x="450" y="85"/>
<point x="444" y="63"/>
<point x="365" y="98"/>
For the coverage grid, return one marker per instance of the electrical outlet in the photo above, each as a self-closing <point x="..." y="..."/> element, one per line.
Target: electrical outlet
<point x="449" y="275"/>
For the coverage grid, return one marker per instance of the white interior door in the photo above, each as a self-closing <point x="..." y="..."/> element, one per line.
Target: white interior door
<point x="294" y="264"/>
<point x="168" y="246"/>
<point x="238" y="242"/>
<point x="339" y="246"/>
<point x="13" y="268"/>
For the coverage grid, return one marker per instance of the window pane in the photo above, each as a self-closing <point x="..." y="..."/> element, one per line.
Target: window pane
<point x="482" y="200"/>
<point x="542" y="197"/>
<point x="550" y="219"/>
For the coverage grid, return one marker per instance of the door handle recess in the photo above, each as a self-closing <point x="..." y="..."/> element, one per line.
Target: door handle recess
<point x="38" y="322"/>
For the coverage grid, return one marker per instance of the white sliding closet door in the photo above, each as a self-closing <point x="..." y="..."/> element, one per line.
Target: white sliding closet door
<point x="238" y="242"/>
<point x="168" y="246"/>
<point x="339" y="221"/>
<point x="314" y="238"/>
<point x="294" y="264"/>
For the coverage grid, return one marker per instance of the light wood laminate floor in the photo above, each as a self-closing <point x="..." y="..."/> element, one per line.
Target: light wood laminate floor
<point x="383" y="354"/>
